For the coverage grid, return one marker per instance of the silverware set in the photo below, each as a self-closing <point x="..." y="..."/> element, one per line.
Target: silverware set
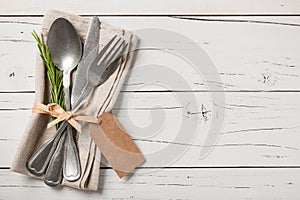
<point x="58" y="156"/>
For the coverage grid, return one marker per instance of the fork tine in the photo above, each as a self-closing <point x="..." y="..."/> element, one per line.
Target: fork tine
<point x="109" y="50"/>
<point x="107" y="61"/>
<point x="114" y="53"/>
<point x="114" y="63"/>
<point x="118" y="55"/>
<point x="109" y="69"/>
<point x="104" y="49"/>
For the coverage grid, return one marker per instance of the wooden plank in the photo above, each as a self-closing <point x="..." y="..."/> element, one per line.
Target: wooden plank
<point x="17" y="54"/>
<point x="167" y="184"/>
<point x="167" y="7"/>
<point x="259" y="129"/>
<point x="252" y="53"/>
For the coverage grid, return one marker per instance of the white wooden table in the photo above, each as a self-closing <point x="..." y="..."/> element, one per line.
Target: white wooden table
<point x="255" y="47"/>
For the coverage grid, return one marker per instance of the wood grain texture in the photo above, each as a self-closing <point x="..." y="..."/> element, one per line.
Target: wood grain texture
<point x="257" y="155"/>
<point x="260" y="129"/>
<point x="166" y="7"/>
<point x="251" y="53"/>
<point x="168" y="184"/>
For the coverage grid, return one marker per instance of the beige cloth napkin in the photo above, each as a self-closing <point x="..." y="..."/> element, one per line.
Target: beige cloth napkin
<point x="103" y="100"/>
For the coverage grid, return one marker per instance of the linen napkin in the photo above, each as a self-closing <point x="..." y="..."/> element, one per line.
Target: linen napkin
<point x="36" y="132"/>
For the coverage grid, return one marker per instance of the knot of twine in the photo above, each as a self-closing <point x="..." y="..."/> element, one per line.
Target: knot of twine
<point x="60" y="114"/>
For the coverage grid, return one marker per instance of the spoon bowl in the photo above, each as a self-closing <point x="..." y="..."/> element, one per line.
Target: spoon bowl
<point x="64" y="44"/>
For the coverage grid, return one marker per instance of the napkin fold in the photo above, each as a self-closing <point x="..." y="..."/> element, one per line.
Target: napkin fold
<point x="36" y="132"/>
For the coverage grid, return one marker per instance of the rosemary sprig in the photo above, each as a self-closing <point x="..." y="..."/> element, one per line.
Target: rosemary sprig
<point x="54" y="75"/>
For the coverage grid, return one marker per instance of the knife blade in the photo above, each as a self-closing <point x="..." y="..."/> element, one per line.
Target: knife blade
<point x="90" y="50"/>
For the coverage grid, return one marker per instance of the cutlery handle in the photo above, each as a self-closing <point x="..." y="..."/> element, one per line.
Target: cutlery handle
<point x="71" y="165"/>
<point x="54" y="171"/>
<point x="66" y="84"/>
<point x="71" y="168"/>
<point x="39" y="160"/>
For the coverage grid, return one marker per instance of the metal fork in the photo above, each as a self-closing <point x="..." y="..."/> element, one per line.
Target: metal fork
<point x="52" y="150"/>
<point x="104" y="65"/>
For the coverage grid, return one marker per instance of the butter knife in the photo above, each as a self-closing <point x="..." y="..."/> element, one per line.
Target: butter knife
<point x="89" y="49"/>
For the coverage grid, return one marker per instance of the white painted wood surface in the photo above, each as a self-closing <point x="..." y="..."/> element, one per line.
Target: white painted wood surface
<point x="146" y="7"/>
<point x="251" y="53"/>
<point x="257" y="156"/>
<point x="261" y="184"/>
<point x="259" y="128"/>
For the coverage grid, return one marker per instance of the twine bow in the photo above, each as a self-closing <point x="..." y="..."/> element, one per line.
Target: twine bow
<point x="71" y="117"/>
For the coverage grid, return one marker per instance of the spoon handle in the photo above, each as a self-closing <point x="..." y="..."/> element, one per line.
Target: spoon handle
<point x="39" y="160"/>
<point x="54" y="171"/>
<point x="71" y="167"/>
<point x="71" y="164"/>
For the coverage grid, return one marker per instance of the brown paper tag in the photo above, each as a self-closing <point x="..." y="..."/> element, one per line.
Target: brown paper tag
<point x="116" y="145"/>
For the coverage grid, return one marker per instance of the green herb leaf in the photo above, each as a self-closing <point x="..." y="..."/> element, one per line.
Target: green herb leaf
<point x="54" y="75"/>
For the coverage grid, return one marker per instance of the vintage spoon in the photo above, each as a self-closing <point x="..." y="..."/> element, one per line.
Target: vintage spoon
<point x="66" y="50"/>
